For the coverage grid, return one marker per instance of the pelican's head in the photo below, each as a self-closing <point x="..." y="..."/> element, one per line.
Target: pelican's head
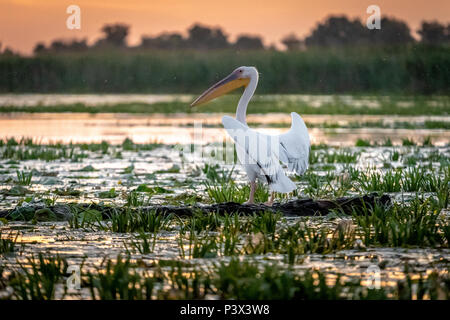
<point x="240" y="77"/>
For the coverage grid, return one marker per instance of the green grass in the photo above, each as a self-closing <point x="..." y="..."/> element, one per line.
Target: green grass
<point x="135" y="221"/>
<point x="260" y="104"/>
<point x="362" y="143"/>
<point x="24" y="178"/>
<point x="8" y="243"/>
<point x="220" y="187"/>
<point x="437" y="125"/>
<point x="413" y="179"/>
<point x="265" y="223"/>
<point x="143" y="243"/>
<point x="410" y="69"/>
<point x="248" y="281"/>
<point x="121" y="279"/>
<point x="129" y="145"/>
<point x="333" y="156"/>
<point x="118" y="280"/>
<point x="428" y="124"/>
<point x="38" y="278"/>
<point x="41" y="153"/>
<point x="231" y="192"/>
<point x="401" y="225"/>
<point x="203" y="222"/>
<point x="27" y="149"/>
<point x="197" y="246"/>
<point x="318" y="185"/>
<point x="135" y="199"/>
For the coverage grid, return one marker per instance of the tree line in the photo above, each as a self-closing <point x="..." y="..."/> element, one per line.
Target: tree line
<point x="334" y="31"/>
<point x="340" y="55"/>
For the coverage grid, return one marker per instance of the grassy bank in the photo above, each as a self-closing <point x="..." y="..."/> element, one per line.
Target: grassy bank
<point x="343" y="105"/>
<point x="415" y="69"/>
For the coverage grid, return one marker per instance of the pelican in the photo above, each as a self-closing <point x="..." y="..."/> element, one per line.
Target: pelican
<point x="261" y="155"/>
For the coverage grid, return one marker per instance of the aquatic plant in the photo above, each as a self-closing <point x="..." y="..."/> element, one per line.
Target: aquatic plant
<point x="408" y="180"/>
<point x="135" y="221"/>
<point x="198" y="246"/>
<point x="135" y="199"/>
<point x="8" y="243"/>
<point x="24" y="178"/>
<point x="142" y="243"/>
<point x="265" y="222"/>
<point x="119" y="280"/>
<point x="389" y="181"/>
<point x="38" y="278"/>
<point x="199" y="222"/>
<point x="363" y="143"/>
<point x="231" y="192"/>
<point x="250" y="281"/>
<point x="405" y="224"/>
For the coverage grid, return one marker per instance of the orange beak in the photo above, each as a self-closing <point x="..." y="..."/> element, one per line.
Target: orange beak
<point x="230" y="83"/>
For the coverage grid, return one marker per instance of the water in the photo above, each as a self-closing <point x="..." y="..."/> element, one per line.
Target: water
<point x="110" y="172"/>
<point x="180" y="128"/>
<point x="93" y="246"/>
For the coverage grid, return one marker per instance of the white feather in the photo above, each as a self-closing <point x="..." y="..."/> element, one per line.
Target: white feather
<point x="260" y="154"/>
<point x="295" y="145"/>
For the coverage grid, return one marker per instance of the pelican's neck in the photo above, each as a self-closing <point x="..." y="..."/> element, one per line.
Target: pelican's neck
<point x="241" y="110"/>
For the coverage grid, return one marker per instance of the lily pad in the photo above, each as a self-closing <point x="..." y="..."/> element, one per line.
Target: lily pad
<point x="49" y="181"/>
<point x="68" y="192"/>
<point x="153" y="190"/>
<point x="24" y="213"/>
<point x="108" y="194"/>
<point x="174" y="169"/>
<point x="17" y="191"/>
<point x="45" y="214"/>
<point x="88" y="168"/>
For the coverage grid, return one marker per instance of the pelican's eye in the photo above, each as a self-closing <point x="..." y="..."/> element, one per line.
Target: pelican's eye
<point x="240" y="71"/>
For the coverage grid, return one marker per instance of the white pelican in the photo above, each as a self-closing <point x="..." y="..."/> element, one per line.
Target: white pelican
<point x="261" y="154"/>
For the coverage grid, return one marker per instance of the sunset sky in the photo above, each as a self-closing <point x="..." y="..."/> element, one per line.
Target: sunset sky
<point x="25" y="22"/>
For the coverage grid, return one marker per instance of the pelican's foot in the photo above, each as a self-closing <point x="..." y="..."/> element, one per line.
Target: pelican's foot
<point x="268" y="203"/>
<point x="249" y="202"/>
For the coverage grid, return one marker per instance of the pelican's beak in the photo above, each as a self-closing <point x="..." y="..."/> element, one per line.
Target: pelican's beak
<point x="230" y="83"/>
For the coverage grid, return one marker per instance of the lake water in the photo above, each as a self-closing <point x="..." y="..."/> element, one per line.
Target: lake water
<point x="124" y="170"/>
<point x="180" y="128"/>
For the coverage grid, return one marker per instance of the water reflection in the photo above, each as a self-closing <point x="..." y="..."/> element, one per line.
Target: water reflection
<point x="179" y="128"/>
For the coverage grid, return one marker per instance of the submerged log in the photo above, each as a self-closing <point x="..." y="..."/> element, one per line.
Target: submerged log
<point x="299" y="207"/>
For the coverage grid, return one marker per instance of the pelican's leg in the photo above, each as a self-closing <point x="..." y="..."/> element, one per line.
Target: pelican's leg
<point x="271" y="198"/>
<point x="251" y="199"/>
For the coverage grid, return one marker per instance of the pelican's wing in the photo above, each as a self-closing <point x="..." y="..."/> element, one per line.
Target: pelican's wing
<point x="295" y="145"/>
<point x="255" y="148"/>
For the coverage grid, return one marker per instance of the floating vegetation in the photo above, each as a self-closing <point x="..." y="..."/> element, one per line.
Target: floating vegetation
<point x="122" y="279"/>
<point x="94" y="205"/>
<point x="8" y="243"/>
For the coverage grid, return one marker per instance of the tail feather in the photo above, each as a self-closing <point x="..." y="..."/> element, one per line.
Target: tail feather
<point x="283" y="184"/>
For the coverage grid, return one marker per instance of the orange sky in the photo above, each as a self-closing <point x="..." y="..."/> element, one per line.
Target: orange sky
<point x="25" y="22"/>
